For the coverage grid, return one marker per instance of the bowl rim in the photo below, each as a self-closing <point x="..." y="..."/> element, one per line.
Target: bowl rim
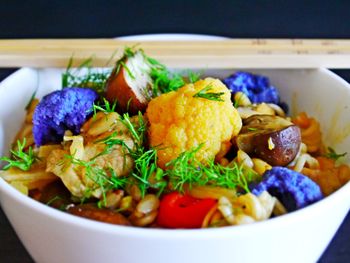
<point x="281" y="221"/>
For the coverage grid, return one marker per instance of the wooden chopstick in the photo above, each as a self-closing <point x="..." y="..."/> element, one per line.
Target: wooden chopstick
<point x="228" y="53"/>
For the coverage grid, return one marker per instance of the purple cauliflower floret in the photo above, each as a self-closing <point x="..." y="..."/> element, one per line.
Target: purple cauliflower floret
<point x="293" y="189"/>
<point x="256" y="87"/>
<point x="59" y="111"/>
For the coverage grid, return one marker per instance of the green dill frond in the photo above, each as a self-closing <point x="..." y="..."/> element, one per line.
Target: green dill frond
<point x="109" y="61"/>
<point x="145" y="160"/>
<point x="186" y="170"/>
<point x="128" y="53"/>
<point x="93" y="78"/>
<point x="203" y="93"/>
<point x="145" y="167"/>
<point x="164" y="81"/>
<point x="20" y="159"/>
<point x="176" y="82"/>
<point x="154" y="62"/>
<point x="333" y="155"/>
<point x="193" y="76"/>
<point x="142" y="127"/>
<point x="117" y="182"/>
<point x="106" y="179"/>
<point x="127" y="70"/>
<point x="57" y="202"/>
<point x="105" y="107"/>
<point x="135" y="133"/>
<point x="67" y="73"/>
<point x="110" y="141"/>
<point x="53" y="199"/>
<point x="30" y="100"/>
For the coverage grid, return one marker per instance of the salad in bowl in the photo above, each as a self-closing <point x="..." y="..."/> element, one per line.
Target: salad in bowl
<point x="140" y="146"/>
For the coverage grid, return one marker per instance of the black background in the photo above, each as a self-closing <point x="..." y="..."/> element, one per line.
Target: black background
<point x="240" y="19"/>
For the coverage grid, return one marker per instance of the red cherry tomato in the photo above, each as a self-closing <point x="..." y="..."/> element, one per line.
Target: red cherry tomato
<point x="183" y="211"/>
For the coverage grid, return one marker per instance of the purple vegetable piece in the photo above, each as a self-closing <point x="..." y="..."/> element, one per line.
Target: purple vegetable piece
<point x="256" y="87"/>
<point x="293" y="189"/>
<point x="59" y="111"/>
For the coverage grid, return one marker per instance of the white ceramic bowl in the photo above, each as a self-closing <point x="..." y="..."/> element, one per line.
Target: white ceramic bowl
<point x="53" y="236"/>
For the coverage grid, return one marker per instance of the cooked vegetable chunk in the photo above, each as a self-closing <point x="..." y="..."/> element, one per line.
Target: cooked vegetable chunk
<point x="183" y="211"/>
<point x="257" y="88"/>
<point x="199" y="113"/>
<point x="271" y="138"/>
<point x="293" y="189"/>
<point x="130" y="83"/>
<point x="59" y="111"/>
<point x="91" y="211"/>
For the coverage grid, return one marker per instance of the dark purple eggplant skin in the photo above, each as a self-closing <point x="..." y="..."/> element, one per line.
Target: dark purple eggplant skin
<point x="258" y="130"/>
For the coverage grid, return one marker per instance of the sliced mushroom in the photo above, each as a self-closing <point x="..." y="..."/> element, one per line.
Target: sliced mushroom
<point x="130" y="83"/>
<point x="100" y="214"/>
<point x="270" y="138"/>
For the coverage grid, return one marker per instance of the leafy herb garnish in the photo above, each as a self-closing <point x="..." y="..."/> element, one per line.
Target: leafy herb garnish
<point x="193" y="76"/>
<point x="106" y="179"/>
<point x="107" y="107"/>
<point x="145" y="166"/>
<point x="333" y="155"/>
<point x="128" y="53"/>
<point x="145" y="159"/>
<point x="203" y="93"/>
<point x="183" y="171"/>
<point x="163" y="80"/>
<point x="110" y="141"/>
<point x="127" y="70"/>
<point x="187" y="170"/>
<point x="20" y="159"/>
<point x="30" y="100"/>
<point x="94" y="78"/>
<point x="57" y="202"/>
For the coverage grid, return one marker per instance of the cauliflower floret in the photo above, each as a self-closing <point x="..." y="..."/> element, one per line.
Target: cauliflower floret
<point x="180" y="122"/>
<point x="256" y="87"/>
<point x="59" y="111"/>
<point x="293" y="189"/>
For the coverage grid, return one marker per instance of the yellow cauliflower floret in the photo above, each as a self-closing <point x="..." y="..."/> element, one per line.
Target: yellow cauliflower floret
<point x="180" y="122"/>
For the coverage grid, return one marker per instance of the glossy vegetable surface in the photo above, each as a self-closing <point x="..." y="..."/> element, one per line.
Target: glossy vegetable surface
<point x="183" y="211"/>
<point x="271" y="138"/>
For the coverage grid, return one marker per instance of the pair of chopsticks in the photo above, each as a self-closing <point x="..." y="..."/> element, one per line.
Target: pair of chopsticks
<point x="228" y="53"/>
